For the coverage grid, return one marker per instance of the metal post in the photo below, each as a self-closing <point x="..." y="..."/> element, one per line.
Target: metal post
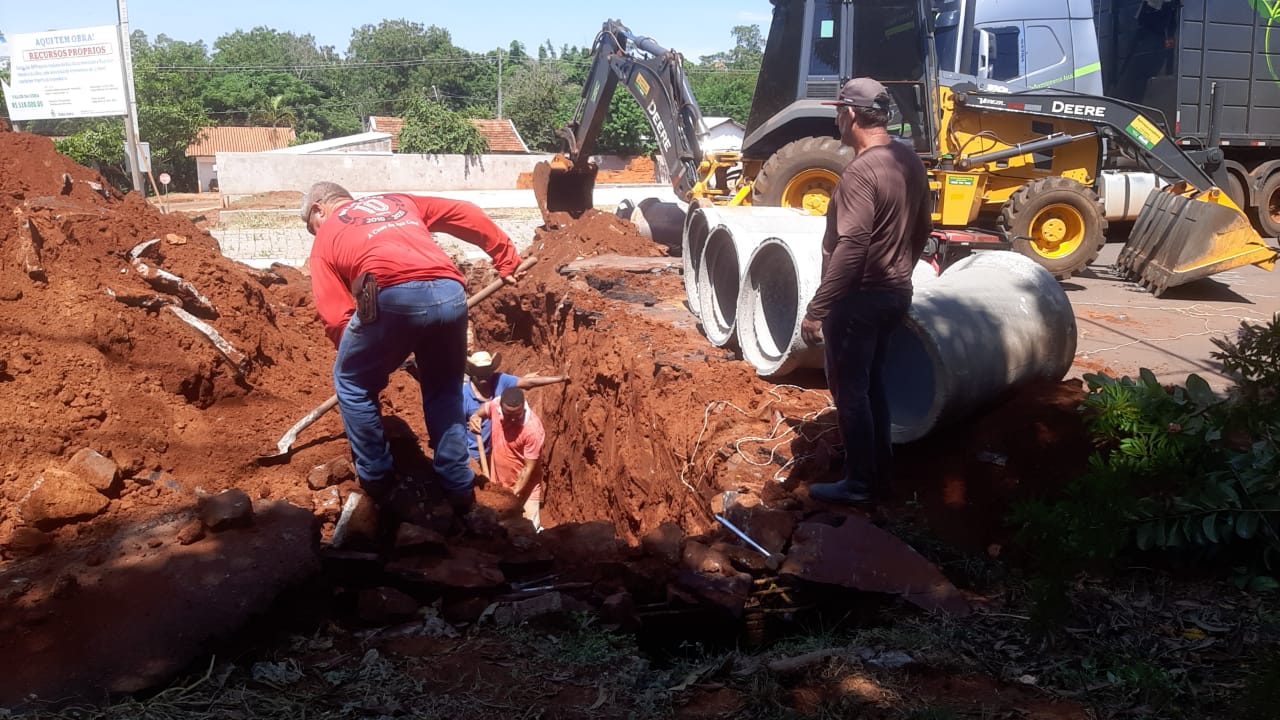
<point x="131" y="101"/>
<point x="499" y="84"/>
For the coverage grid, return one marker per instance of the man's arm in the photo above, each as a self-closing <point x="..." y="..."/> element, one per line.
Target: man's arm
<point x="476" y="422"/>
<point x="522" y="478"/>
<point x="525" y="383"/>
<point x="467" y="221"/>
<point x="334" y="304"/>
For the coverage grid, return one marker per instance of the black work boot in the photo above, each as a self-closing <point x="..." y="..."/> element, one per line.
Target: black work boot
<point x="845" y="492"/>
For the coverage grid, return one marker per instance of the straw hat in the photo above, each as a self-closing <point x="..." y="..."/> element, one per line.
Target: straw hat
<point x="481" y="360"/>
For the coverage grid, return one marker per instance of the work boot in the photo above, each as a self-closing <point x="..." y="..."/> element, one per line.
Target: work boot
<point x="845" y="492"/>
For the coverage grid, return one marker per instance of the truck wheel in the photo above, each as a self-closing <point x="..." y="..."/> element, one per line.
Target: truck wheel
<point x="1057" y="222"/>
<point x="1266" y="214"/>
<point x="802" y="174"/>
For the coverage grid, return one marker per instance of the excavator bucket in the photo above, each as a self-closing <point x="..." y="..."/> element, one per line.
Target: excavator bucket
<point x="562" y="187"/>
<point x="1183" y="235"/>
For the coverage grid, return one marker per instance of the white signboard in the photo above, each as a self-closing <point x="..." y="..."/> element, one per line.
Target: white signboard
<point x="65" y="73"/>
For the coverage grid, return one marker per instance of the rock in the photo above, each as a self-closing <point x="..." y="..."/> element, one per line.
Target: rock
<point x="96" y="469"/>
<point x="664" y="541"/>
<point x="227" y="509"/>
<point x="60" y="497"/>
<point x="191" y="531"/>
<point x="743" y="558"/>
<point x="727" y="593"/>
<point x="700" y="558"/>
<point x="770" y="528"/>
<point x="464" y="610"/>
<point x="861" y="556"/>
<point x="383" y="605"/>
<point x="619" y="609"/>
<point x="463" y="567"/>
<point x="177" y="602"/>
<point x="331" y="473"/>
<point x="517" y="612"/>
<point x="25" y="541"/>
<point x="416" y="537"/>
<point x="583" y="543"/>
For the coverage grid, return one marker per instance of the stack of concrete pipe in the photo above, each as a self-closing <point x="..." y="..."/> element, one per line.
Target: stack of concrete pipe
<point x="662" y="221"/>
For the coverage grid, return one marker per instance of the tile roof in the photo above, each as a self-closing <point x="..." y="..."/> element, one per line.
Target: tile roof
<point x="213" y="140"/>
<point x="501" y="134"/>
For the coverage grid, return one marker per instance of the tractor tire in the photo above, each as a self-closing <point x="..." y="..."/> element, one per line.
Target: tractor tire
<point x="1235" y="190"/>
<point x="1266" y="214"/>
<point x="1057" y="222"/>
<point x="802" y="174"/>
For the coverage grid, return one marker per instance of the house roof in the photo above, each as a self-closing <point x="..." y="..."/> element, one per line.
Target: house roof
<point x="501" y="134"/>
<point x="712" y="121"/>
<point x="212" y="140"/>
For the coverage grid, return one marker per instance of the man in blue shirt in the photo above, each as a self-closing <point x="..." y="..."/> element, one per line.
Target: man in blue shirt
<point x="483" y="382"/>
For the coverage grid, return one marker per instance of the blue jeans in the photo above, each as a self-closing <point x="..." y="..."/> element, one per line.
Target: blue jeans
<point x="856" y="334"/>
<point x="428" y="319"/>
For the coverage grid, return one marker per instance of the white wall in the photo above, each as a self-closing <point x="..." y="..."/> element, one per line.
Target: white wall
<point x="205" y="173"/>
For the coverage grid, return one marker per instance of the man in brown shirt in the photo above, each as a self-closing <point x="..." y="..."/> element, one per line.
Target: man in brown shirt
<point x="877" y="224"/>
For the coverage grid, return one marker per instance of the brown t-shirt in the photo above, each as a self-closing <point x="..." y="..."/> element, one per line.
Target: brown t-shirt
<point x="877" y="224"/>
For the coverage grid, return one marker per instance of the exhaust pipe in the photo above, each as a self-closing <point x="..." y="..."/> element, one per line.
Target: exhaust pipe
<point x="725" y="254"/>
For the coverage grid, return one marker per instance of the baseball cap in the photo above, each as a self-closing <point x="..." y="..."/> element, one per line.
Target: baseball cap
<point x="860" y="92"/>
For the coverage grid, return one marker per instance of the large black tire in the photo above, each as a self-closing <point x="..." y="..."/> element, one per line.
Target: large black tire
<point x="1057" y="222"/>
<point x="1235" y="190"/>
<point x="1266" y="214"/>
<point x="802" y="174"/>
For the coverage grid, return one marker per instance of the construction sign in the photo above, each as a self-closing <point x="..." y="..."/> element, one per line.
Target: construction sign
<point x="65" y="74"/>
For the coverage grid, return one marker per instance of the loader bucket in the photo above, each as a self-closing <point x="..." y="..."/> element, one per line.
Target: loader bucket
<point x="1183" y="236"/>
<point x="561" y="187"/>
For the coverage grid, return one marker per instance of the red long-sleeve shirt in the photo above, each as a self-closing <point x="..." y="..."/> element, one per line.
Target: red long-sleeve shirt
<point x="390" y="236"/>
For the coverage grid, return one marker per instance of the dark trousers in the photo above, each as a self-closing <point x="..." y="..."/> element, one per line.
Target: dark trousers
<point x="856" y="334"/>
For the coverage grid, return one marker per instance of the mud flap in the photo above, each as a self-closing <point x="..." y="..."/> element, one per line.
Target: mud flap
<point x="561" y="187"/>
<point x="1179" y="238"/>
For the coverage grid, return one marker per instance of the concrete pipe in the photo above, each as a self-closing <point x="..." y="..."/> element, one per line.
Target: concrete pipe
<point x="662" y="221"/>
<point x="781" y="277"/>
<point x="990" y="322"/>
<point x="702" y="218"/>
<point x="724" y="259"/>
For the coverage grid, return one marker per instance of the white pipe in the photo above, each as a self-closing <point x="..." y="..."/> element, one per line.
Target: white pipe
<point x="725" y="255"/>
<point x="782" y="275"/>
<point x="990" y="322"/>
<point x="701" y="219"/>
<point x="662" y="221"/>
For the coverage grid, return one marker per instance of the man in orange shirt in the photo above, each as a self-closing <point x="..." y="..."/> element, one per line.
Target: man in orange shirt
<point x="517" y="438"/>
<point x="411" y="302"/>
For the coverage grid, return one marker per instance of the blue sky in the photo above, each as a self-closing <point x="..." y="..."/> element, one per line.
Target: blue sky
<point x="693" y="27"/>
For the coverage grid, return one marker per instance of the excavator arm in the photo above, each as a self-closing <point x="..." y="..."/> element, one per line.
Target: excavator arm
<point x="1189" y="230"/>
<point x="657" y="81"/>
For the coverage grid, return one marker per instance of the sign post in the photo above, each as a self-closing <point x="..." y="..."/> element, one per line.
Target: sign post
<point x="131" y="102"/>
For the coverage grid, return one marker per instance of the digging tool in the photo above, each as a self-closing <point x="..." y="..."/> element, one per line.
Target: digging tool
<point x="285" y="446"/>
<point x="484" y="461"/>
<point x="772" y="560"/>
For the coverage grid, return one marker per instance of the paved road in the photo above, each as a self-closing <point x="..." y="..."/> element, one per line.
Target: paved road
<point x="1121" y="327"/>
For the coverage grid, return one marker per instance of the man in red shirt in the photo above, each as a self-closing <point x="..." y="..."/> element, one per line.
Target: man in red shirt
<point x="417" y="308"/>
<point x="517" y="438"/>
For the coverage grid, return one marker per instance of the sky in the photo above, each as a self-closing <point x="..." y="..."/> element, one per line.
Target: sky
<point x="694" y="28"/>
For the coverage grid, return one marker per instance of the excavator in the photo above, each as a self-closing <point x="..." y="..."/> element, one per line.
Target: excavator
<point x="1009" y="168"/>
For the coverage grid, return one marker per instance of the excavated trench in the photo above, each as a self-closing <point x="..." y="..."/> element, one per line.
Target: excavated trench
<point x="131" y="434"/>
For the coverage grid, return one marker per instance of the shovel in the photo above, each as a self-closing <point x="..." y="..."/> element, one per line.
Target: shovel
<point x="285" y="446"/>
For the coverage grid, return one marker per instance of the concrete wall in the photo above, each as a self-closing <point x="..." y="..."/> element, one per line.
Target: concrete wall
<point x="242" y="174"/>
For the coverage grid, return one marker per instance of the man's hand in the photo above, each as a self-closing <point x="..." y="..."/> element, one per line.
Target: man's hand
<point x="511" y="279"/>
<point x="811" y="331"/>
<point x="474" y="424"/>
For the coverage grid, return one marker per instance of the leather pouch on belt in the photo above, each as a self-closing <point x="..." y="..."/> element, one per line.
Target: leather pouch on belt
<point x="365" y="291"/>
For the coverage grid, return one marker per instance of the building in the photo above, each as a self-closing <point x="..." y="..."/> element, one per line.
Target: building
<point x="723" y="134"/>
<point x="213" y="140"/>
<point x="502" y="136"/>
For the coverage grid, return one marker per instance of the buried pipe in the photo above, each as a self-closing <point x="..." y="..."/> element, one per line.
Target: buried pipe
<point x="991" y="322"/>
<point x="662" y="221"/>
<point x="726" y="251"/>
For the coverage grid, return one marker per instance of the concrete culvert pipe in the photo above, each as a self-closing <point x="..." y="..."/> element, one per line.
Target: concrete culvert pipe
<point x="781" y="277"/>
<point x="701" y="219"/>
<point x="990" y="322"/>
<point x="725" y="255"/>
<point x="662" y="221"/>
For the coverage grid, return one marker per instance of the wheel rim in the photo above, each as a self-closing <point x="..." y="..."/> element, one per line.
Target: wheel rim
<point x="1273" y="205"/>
<point x="1057" y="231"/>
<point x="810" y="190"/>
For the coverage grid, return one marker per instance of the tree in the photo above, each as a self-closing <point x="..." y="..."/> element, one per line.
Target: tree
<point x="100" y="147"/>
<point x="431" y="127"/>
<point x="724" y="82"/>
<point x="539" y="100"/>
<point x="626" y="129"/>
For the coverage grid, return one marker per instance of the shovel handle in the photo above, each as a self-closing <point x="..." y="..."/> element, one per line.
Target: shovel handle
<point x="484" y="460"/>
<point x="496" y="285"/>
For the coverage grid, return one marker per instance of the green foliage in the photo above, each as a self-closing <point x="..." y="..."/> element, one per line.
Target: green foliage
<point x="538" y="100"/>
<point x="626" y="129"/>
<point x="1178" y="470"/>
<point x="99" y="146"/>
<point x="430" y="127"/>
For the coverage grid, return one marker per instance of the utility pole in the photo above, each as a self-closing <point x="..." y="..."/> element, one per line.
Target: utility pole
<point x="130" y="100"/>
<point x="499" y="84"/>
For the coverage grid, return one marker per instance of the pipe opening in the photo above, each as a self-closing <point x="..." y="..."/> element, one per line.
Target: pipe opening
<point x="911" y="381"/>
<point x="718" y="292"/>
<point x="775" y="302"/>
